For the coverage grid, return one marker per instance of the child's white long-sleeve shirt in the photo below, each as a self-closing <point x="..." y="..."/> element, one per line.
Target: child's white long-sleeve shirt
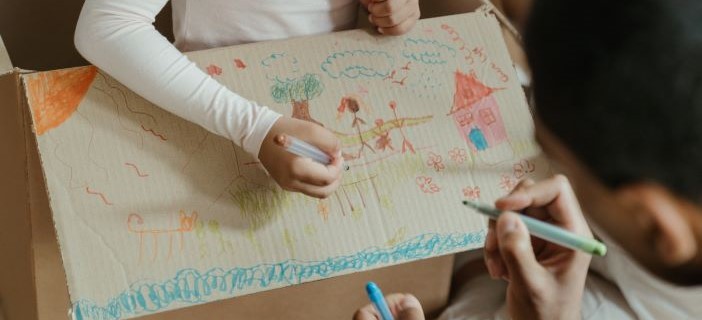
<point x="118" y="36"/>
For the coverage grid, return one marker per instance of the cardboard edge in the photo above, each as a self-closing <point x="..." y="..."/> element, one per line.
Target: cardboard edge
<point x="18" y="290"/>
<point x="51" y="307"/>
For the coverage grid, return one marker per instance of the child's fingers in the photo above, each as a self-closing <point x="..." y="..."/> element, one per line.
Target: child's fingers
<point x="401" y="28"/>
<point x="323" y="139"/>
<point x="312" y="190"/>
<point x="392" y="20"/>
<point x="385" y="8"/>
<point x="365" y="3"/>
<point x="309" y="172"/>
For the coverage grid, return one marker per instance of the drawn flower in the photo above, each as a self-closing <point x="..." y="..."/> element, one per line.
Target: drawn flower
<point x="458" y="155"/>
<point x="383" y="140"/>
<point x="522" y="168"/>
<point x="435" y="161"/>
<point x="239" y="64"/>
<point x="507" y="183"/>
<point x="213" y="70"/>
<point x="471" y="192"/>
<point x="426" y="185"/>
<point x="393" y="105"/>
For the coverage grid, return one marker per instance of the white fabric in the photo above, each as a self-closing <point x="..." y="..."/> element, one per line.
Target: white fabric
<point x="648" y="296"/>
<point x="118" y="36"/>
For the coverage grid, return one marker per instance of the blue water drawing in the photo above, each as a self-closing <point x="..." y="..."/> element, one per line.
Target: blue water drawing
<point x="191" y="286"/>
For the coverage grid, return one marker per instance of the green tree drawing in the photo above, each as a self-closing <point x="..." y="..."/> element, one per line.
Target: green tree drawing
<point x="298" y="92"/>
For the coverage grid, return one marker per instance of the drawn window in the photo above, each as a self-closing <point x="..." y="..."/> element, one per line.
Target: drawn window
<point x="465" y="119"/>
<point x="487" y="116"/>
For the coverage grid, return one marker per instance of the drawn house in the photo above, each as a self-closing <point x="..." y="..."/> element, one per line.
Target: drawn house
<point x="476" y="113"/>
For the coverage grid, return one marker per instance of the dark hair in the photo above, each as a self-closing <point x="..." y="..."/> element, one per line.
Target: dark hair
<point x="620" y="83"/>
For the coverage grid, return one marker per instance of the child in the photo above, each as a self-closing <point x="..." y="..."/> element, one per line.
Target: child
<point x="618" y="95"/>
<point x="118" y="36"/>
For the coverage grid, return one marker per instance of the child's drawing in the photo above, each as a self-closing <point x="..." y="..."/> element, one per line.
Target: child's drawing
<point x="358" y="64"/>
<point x="352" y="104"/>
<point x="137" y="224"/>
<point x="427" y="185"/>
<point x="428" y="51"/>
<point x="395" y="104"/>
<point x="204" y="231"/>
<point x="101" y="195"/>
<point x="472" y="193"/>
<point x="507" y="182"/>
<point x="213" y="70"/>
<point x="476" y="113"/>
<point x="458" y="155"/>
<point x="239" y="64"/>
<point x="298" y="92"/>
<point x="522" y="168"/>
<point x="353" y="196"/>
<point x="436" y="162"/>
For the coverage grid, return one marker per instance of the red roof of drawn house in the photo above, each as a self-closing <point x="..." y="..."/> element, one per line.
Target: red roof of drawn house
<point x="469" y="90"/>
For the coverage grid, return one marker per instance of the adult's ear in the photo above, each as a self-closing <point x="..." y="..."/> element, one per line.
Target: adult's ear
<point x="665" y="216"/>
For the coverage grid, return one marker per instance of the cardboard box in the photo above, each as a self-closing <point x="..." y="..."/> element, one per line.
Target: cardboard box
<point x="5" y="63"/>
<point x="40" y="293"/>
<point x="33" y="284"/>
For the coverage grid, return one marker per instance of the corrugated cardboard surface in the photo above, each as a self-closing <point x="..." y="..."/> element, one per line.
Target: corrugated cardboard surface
<point x="151" y="209"/>
<point x="33" y="285"/>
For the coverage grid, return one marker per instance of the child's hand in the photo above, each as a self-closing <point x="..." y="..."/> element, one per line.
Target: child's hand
<point x="298" y="174"/>
<point x="392" y="17"/>
<point x="546" y="281"/>
<point x="402" y="306"/>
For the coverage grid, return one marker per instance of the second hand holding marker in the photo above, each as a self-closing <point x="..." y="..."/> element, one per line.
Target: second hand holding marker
<point x="378" y="300"/>
<point x="547" y="231"/>
<point x="304" y="149"/>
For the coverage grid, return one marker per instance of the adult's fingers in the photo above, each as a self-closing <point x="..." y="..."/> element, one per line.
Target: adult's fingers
<point x="555" y="194"/>
<point x="515" y="249"/>
<point x="491" y="253"/>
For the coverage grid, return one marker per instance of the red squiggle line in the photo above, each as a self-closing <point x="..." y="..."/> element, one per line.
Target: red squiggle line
<point x="102" y="196"/>
<point x="137" y="169"/>
<point x="154" y="133"/>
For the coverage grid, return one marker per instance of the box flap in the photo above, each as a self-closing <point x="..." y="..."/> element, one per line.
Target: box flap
<point x="154" y="213"/>
<point x="5" y="63"/>
<point x="17" y="292"/>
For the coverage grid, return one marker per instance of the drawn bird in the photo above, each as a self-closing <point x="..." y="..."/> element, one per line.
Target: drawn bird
<point x="401" y="82"/>
<point x="391" y="76"/>
<point x="406" y="67"/>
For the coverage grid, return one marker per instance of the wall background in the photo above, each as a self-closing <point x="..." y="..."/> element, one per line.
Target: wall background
<point x="38" y="34"/>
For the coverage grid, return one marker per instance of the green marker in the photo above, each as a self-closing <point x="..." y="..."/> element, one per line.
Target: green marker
<point x="547" y="231"/>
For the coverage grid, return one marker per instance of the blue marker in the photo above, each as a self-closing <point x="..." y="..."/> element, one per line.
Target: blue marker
<point x="376" y="297"/>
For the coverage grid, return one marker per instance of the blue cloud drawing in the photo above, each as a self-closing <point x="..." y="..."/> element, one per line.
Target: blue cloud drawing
<point x="358" y="63"/>
<point x="427" y="51"/>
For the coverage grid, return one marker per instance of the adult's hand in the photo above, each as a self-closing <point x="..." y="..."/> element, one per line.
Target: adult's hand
<point x="546" y="281"/>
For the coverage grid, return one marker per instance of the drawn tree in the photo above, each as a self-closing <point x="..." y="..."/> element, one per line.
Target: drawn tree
<point x="298" y="92"/>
